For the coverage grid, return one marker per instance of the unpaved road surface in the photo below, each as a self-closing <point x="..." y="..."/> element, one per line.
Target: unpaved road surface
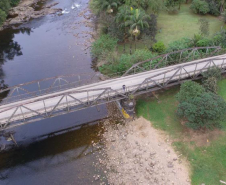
<point x="136" y="153"/>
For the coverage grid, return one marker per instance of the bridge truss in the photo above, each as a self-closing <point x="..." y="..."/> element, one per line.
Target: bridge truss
<point x="21" y="112"/>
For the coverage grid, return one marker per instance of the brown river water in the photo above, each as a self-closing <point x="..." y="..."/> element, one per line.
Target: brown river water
<point x="53" y="151"/>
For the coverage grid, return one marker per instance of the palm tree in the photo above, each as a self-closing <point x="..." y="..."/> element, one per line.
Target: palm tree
<point x="109" y="5"/>
<point x="121" y="18"/>
<point x="137" y="21"/>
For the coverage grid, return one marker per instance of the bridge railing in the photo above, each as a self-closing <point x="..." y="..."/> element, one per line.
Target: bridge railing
<point x="70" y="101"/>
<point x="60" y="83"/>
<point x="173" y="58"/>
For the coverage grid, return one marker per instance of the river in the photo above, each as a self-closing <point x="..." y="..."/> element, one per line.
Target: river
<point x="50" y="46"/>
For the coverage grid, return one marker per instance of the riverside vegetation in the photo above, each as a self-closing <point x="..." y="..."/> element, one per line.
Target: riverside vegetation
<point x="194" y="115"/>
<point x="130" y="32"/>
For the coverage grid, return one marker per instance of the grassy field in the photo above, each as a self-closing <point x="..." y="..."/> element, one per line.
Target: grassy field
<point x="184" y="24"/>
<point x="205" y="151"/>
<point x="174" y="27"/>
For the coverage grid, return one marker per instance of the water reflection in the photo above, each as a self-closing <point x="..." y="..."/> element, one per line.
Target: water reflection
<point x="8" y="47"/>
<point x="52" y="154"/>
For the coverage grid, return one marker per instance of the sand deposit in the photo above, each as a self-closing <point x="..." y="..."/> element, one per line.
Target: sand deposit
<point x="136" y="153"/>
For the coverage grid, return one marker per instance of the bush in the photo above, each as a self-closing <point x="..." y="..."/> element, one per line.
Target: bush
<point x="200" y="109"/>
<point x="172" y="10"/>
<point x="214" y="7"/>
<point x="159" y="47"/>
<point x="189" y="90"/>
<point x="124" y="62"/>
<point x="210" y="79"/>
<point x="151" y="30"/>
<point x="2" y="17"/>
<point x="200" y="7"/>
<point x="224" y="16"/>
<point x="104" y="44"/>
<point x="204" y="43"/>
<point x="179" y="45"/>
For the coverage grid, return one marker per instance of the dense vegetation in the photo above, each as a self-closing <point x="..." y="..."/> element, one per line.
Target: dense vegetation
<point x="134" y="25"/>
<point x="5" y="5"/>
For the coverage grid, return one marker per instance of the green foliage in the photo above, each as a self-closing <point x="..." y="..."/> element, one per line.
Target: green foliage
<point x="210" y="79"/>
<point x="108" y="6"/>
<point x="210" y="84"/>
<point x="200" y="7"/>
<point x="124" y="62"/>
<point x="179" y="45"/>
<point x="2" y="16"/>
<point x="105" y="43"/>
<point x="224" y="16"/>
<point x="212" y="72"/>
<point x="214" y="7"/>
<point x="203" y="111"/>
<point x="152" y="29"/>
<point x="5" y="5"/>
<point x="137" y="20"/>
<point x="204" y="42"/>
<point x="202" y="158"/>
<point x="219" y="38"/>
<point x="189" y="90"/>
<point x="172" y="10"/>
<point x="159" y="47"/>
<point x="204" y="26"/>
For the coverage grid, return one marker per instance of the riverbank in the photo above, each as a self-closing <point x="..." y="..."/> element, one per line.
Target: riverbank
<point x="27" y="10"/>
<point x="136" y="153"/>
<point x="204" y="149"/>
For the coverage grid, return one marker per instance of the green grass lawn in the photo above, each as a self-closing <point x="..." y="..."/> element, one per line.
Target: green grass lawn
<point x="184" y="24"/>
<point x="175" y="27"/>
<point x="206" y="152"/>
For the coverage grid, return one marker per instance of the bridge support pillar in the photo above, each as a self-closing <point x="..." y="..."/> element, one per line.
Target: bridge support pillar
<point x="126" y="107"/>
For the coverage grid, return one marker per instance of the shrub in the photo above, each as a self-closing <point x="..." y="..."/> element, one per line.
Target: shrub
<point x="172" y="10"/>
<point x="212" y="72"/>
<point x="204" y="43"/>
<point x="199" y="108"/>
<point x="179" y="45"/>
<point x="210" y="79"/>
<point x="204" y="111"/>
<point x="210" y="84"/>
<point x="200" y="7"/>
<point x="2" y="16"/>
<point x="224" y="16"/>
<point x="105" y="43"/>
<point x="151" y="30"/>
<point x="214" y="7"/>
<point x="204" y="26"/>
<point x="189" y="90"/>
<point x="219" y="38"/>
<point x="159" y="47"/>
<point x="124" y="62"/>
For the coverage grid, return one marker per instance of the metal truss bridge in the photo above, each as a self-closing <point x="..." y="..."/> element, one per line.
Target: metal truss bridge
<point x="50" y="97"/>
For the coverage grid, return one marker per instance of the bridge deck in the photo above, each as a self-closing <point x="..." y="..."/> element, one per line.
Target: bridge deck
<point x="105" y="91"/>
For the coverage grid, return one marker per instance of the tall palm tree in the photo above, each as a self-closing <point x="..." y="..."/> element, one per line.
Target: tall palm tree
<point x="137" y="21"/>
<point x="121" y="18"/>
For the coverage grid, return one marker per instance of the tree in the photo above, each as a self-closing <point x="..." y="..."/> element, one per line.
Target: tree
<point x="200" y="7"/>
<point x="137" y="21"/>
<point x="121" y="18"/>
<point x="200" y="109"/>
<point x="204" y="111"/>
